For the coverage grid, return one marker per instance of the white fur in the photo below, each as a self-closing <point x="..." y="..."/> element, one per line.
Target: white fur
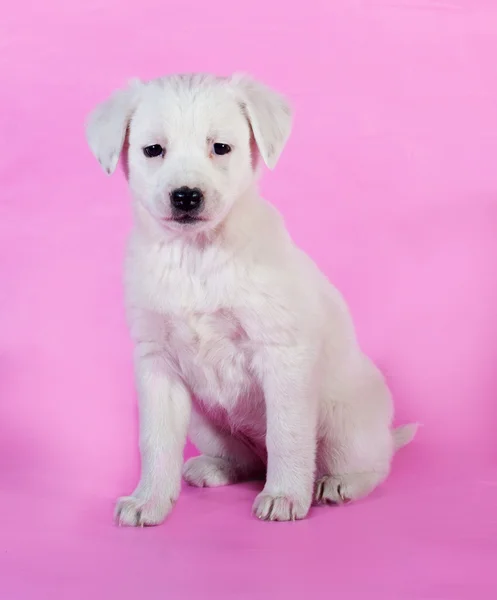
<point x="236" y="330"/>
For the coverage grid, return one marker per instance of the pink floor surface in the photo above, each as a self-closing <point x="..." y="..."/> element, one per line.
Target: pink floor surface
<point x="389" y="182"/>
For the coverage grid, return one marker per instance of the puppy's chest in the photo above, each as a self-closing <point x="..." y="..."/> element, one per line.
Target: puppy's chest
<point x="212" y="353"/>
<point x="196" y="313"/>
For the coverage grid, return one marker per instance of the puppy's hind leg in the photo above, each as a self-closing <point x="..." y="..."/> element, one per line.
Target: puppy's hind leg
<point x="225" y="459"/>
<point x="354" y="456"/>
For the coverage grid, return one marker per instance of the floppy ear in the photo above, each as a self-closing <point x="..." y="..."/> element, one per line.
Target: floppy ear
<point x="269" y="114"/>
<point x="107" y="124"/>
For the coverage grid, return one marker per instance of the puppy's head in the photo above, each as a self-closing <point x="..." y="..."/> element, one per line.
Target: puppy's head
<point x="191" y="141"/>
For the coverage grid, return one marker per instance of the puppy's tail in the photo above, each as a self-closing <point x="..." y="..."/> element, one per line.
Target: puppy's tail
<point x="403" y="435"/>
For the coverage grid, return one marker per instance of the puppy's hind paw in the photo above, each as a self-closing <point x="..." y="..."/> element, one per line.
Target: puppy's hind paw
<point x="345" y="488"/>
<point x="207" y="471"/>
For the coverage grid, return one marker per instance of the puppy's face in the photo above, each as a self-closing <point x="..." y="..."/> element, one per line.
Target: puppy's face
<point x="191" y="143"/>
<point x="189" y="151"/>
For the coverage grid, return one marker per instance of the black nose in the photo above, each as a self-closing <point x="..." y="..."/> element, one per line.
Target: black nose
<point x="186" y="199"/>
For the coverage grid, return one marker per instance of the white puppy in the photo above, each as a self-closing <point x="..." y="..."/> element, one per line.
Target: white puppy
<point x="238" y="335"/>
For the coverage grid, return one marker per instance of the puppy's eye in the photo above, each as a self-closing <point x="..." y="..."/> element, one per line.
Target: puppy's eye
<point x="153" y="151"/>
<point x="222" y="149"/>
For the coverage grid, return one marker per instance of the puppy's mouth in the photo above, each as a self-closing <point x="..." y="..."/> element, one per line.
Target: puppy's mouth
<point x="187" y="219"/>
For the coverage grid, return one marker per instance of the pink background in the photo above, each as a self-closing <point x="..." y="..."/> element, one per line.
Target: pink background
<point x="389" y="181"/>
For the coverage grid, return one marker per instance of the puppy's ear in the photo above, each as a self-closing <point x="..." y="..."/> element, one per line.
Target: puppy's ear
<point x="269" y="114"/>
<point x="107" y="125"/>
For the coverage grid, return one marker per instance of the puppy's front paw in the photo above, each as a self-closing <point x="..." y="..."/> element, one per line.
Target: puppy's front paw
<point x="135" y="512"/>
<point x="269" y="507"/>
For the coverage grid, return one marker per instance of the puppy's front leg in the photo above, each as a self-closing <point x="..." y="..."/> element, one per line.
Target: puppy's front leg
<point x="164" y="414"/>
<point x="291" y="409"/>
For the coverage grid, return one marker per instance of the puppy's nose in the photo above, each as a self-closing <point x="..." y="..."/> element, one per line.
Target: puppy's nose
<point x="186" y="199"/>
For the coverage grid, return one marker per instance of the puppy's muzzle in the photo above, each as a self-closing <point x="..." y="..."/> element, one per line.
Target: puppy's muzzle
<point x="187" y="203"/>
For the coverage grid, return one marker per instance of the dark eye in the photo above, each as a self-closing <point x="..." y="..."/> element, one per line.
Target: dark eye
<point x="222" y="149"/>
<point x="153" y="151"/>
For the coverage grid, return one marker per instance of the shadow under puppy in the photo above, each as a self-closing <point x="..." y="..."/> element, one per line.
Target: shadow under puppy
<point x="238" y="336"/>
